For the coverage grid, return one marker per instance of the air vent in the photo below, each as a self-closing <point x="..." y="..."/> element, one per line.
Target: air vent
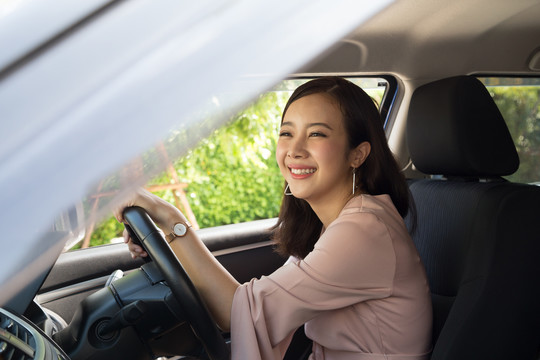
<point x="16" y="341"/>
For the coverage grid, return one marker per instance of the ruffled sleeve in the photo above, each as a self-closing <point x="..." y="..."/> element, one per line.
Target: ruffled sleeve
<point x="353" y="261"/>
<point x="250" y="337"/>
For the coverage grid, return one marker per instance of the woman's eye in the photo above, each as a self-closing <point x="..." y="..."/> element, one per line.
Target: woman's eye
<point x="317" y="134"/>
<point x="284" y="133"/>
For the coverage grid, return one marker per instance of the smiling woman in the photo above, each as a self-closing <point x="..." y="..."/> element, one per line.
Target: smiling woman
<point x="330" y="100"/>
<point x="312" y="150"/>
<point x="347" y="241"/>
<point x="356" y="249"/>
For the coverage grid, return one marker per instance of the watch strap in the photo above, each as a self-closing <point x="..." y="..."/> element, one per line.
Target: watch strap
<point x="185" y="225"/>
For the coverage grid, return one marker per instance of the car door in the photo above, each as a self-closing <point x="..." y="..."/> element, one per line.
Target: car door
<point x="244" y="249"/>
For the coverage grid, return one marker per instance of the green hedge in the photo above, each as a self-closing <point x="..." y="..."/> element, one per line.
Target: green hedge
<point x="232" y="175"/>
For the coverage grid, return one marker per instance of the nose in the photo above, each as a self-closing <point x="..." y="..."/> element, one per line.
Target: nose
<point x="297" y="149"/>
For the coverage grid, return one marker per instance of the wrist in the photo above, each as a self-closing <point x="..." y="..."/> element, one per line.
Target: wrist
<point x="166" y="216"/>
<point x="178" y="229"/>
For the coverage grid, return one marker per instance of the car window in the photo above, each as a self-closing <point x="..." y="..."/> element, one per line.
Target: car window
<point x="230" y="176"/>
<point x="518" y="100"/>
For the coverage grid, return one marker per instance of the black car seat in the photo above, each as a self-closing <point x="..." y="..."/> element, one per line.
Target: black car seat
<point x="478" y="234"/>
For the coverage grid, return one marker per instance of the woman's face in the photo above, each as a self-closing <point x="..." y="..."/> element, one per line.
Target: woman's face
<point x="312" y="150"/>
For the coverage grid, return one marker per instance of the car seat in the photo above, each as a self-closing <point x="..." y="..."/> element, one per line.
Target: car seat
<point x="477" y="234"/>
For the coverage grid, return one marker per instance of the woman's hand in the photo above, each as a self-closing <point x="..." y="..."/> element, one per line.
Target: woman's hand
<point x="164" y="214"/>
<point x="159" y="210"/>
<point x="135" y="250"/>
<point x="216" y="285"/>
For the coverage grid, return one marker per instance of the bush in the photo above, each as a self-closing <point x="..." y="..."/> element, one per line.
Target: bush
<point x="232" y="176"/>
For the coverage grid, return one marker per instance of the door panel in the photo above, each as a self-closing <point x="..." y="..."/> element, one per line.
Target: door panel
<point x="244" y="249"/>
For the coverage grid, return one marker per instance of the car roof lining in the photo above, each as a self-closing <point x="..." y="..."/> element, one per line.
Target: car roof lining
<point x="431" y="38"/>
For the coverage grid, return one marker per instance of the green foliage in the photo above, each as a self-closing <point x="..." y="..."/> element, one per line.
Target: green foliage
<point x="520" y="107"/>
<point x="104" y="232"/>
<point x="232" y="176"/>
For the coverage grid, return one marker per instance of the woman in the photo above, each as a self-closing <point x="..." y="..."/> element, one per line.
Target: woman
<point x="354" y="277"/>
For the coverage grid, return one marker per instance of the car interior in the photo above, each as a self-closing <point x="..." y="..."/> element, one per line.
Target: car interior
<point x="477" y="230"/>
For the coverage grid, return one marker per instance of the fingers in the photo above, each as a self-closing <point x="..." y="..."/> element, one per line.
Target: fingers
<point x="126" y="236"/>
<point x="157" y="208"/>
<point x="118" y="215"/>
<point x="134" y="199"/>
<point x="119" y="212"/>
<point x="135" y="250"/>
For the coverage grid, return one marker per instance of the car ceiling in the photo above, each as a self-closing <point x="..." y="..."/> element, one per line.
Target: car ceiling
<point x="433" y="39"/>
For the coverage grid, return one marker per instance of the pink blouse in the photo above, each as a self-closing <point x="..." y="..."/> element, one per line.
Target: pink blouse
<point x="362" y="293"/>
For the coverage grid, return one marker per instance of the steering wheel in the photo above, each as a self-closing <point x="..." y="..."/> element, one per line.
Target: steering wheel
<point x="179" y="282"/>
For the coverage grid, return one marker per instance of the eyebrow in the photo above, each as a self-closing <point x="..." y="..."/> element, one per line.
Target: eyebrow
<point x="285" y="123"/>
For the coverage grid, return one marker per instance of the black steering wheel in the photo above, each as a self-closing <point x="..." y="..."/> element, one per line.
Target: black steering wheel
<point x="179" y="282"/>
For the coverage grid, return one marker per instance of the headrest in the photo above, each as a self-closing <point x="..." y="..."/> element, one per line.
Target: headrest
<point x="454" y="128"/>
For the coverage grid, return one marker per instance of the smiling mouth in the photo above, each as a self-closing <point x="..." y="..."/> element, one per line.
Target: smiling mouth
<point x="302" y="171"/>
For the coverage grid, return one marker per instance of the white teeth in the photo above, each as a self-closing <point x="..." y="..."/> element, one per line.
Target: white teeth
<point x="302" y="171"/>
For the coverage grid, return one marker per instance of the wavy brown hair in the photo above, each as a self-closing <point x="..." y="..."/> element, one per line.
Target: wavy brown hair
<point x="298" y="227"/>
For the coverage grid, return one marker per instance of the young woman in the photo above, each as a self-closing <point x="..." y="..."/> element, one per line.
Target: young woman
<point x="354" y="277"/>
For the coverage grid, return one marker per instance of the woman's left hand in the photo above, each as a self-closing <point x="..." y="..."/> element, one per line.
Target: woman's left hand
<point x="162" y="213"/>
<point x="135" y="250"/>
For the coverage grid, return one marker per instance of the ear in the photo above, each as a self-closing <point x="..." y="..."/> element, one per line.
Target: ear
<point x="359" y="154"/>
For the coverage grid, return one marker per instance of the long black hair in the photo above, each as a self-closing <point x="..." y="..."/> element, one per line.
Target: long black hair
<point x="298" y="227"/>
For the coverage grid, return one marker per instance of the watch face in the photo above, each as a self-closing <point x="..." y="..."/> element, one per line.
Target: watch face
<point x="179" y="229"/>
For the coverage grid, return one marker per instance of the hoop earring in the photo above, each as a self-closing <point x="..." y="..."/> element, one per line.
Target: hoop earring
<point x="353" y="180"/>
<point x="287" y="189"/>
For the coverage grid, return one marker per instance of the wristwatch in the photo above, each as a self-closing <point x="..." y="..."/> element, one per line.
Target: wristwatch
<point x="178" y="230"/>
